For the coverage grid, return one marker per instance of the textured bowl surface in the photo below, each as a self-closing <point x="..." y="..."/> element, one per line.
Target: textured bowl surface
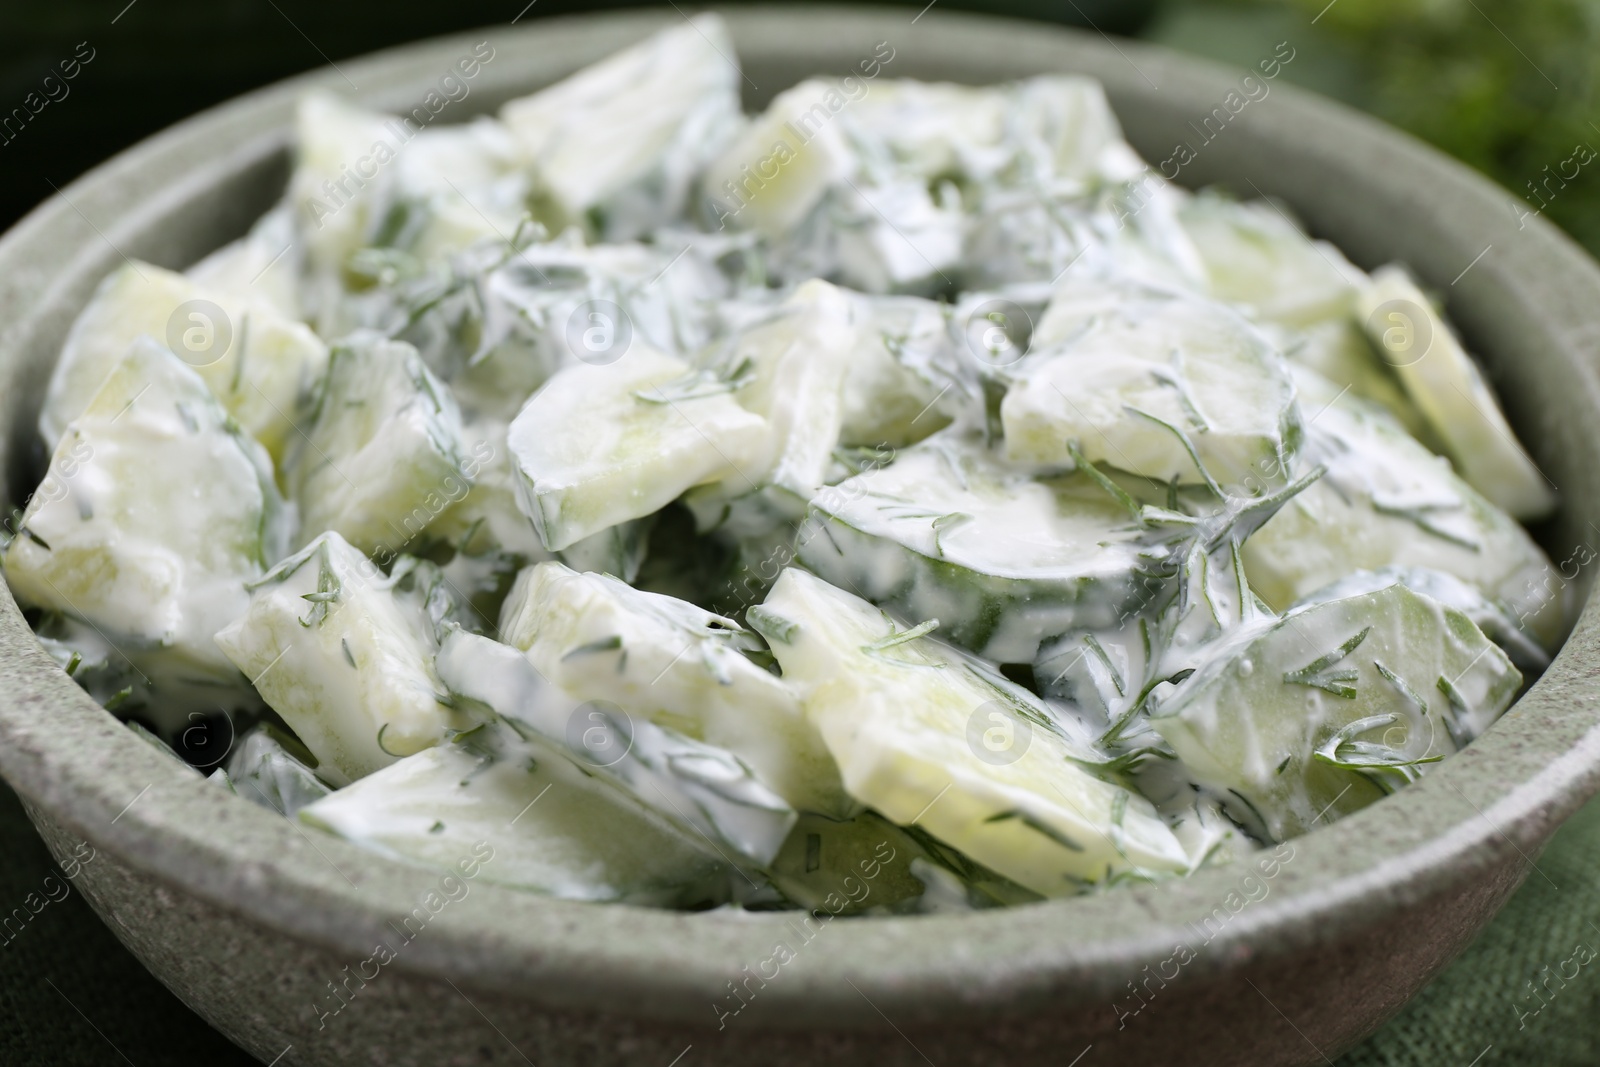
<point x="269" y="930"/>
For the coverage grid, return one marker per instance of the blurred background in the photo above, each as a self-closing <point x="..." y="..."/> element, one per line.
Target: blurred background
<point x="1507" y="86"/>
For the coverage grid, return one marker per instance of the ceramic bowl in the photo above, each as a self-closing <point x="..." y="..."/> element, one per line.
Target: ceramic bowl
<point x="268" y="930"/>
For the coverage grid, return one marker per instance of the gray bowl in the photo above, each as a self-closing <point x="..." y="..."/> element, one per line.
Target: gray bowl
<point x="256" y="922"/>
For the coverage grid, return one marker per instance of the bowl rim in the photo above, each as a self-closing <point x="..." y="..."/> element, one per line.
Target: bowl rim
<point x="1495" y="802"/>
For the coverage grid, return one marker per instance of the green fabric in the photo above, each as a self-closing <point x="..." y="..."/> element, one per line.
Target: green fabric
<point x="1483" y="1005"/>
<point x="71" y="995"/>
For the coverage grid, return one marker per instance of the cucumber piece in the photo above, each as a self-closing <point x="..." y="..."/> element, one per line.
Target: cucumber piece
<point x="333" y="207"/>
<point x="1386" y="500"/>
<point x="1051" y="128"/>
<point x="367" y="179"/>
<point x="848" y="866"/>
<point x="449" y="188"/>
<point x="1497" y="623"/>
<point x="274" y="770"/>
<point x="1114" y="675"/>
<point x="617" y="550"/>
<point x="675" y="664"/>
<point x="599" y="445"/>
<point x="933" y="130"/>
<point x="1339" y="351"/>
<point x="830" y="198"/>
<point x="1318" y="714"/>
<point x="531" y="818"/>
<point x="790" y="369"/>
<point x="261" y="266"/>
<point x="1257" y="259"/>
<point x="259" y="364"/>
<point x="1034" y="234"/>
<point x="906" y="379"/>
<point x="1066" y="130"/>
<point x="1154" y="382"/>
<point x="559" y="303"/>
<point x="907" y="717"/>
<point x="487" y="517"/>
<point x="344" y="658"/>
<point x="616" y="146"/>
<point x="778" y="169"/>
<point x="882" y="234"/>
<point x="98" y="666"/>
<point x="155" y="512"/>
<point x="703" y="789"/>
<point x="1003" y="559"/>
<point x="384" y="456"/>
<point x="484" y="539"/>
<point x="868" y="865"/>
<point x="500" y="318"/>
<point x="1449" y="390"/>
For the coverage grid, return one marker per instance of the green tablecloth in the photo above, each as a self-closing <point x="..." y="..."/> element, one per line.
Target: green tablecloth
<point x="70" y="994"/>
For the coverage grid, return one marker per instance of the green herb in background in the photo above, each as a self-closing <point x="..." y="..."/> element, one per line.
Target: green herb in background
<point x="1510" y="87"/>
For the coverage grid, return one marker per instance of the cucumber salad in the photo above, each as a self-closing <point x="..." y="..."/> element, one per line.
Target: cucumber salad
<point x="903" y="488"/>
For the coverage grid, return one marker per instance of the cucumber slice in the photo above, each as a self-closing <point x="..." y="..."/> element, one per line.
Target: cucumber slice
<point x="1339" y="351"/>
<point x="1497" y="623"/>
<point x="1316" y="715"/>
<point x="344" y="658"/>
<point x="909" y="720"/>
<point x="1054" y="128"/>
<point x="703" y="789"/>
<point x="503" y="317"/>
<point x="488" y="516"/>
<point x="1035" y="233"/>
<point x="884" y="233"/>
<point x="484" y="539"/>
<point x="368" y="178"/>
<point x="261" y="266"/>
<point x="774" y="172"/>
<point x="333" y="207"/>
<point x="1386" y="500"/>
<point x="1004" y="560"/>
<point x="1449" y="390"/>
<point x="384" y="457"/>
<point x="599" y="445"/>
<point x="618" y="550"/>
<point x="832" y="198"/>
<point x="678" y="666"/>
<point x="1113" y="675"/>
<point x="155" y="512"/>
<point x="273" y="770"/>
<point x="1261" y="262"/>
<point x="1156" y="383"/>
<point x="261" y="365"/>
<point x="1066" y="130"/>
<point x="99" y="667"/>
<point x="848" y="866"/>
<point x="529" y="818"/>
<point x="449" y="188"/>
<point x="906" y="379"/>
<point x="933" y="130"/>
<point x="616" y="146"/>
<point x="790" y="368"/>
